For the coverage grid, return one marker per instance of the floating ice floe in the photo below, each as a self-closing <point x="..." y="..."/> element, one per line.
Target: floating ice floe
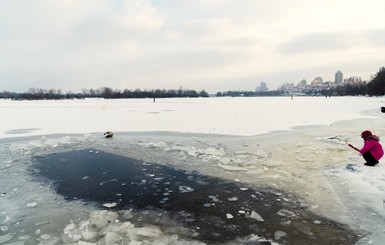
<point x="110" y="205"/>
<point x="286" y="213"/>
<point x="214" y="198"/>
<point x="255" y="215"/>
<point x="32" y="204"/>
<point x="233" y="199"/>
<point x="279" y="234"/>
<point x="229" y="216"/>
<point x="107" y="181"/>
<point x="184" y="189"/>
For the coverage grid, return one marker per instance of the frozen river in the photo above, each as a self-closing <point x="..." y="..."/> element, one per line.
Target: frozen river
<point x="215" y="170"/>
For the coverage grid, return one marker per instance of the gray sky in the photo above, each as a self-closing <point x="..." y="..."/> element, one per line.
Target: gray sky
<point x="216" y="45"/>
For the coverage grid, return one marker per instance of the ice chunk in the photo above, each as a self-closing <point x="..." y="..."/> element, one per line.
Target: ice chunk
<point x="89" y="235"/>
<point x="351" y="167"/>
<point x="144" y="233"/>
<point x="110" y="238"/>
<point x="151" y="231"/>
<point x="260" y="154"/>
<point x="32" y="204"/>
<point x="233" y="199"/>
<point x="214" y="198"/>
<point x="286" y="213"/>
<point x="184" y="189"/>
<point x="107" y="181"/>
<point x="123" y="227"/>
<point x="98" y="219"/>
<point x="304" y="228"/>
<point x="229" y="216"/>
<point x="279" y="234"/>
<point x="110" y="205"/>
<point x="255" y="215"/>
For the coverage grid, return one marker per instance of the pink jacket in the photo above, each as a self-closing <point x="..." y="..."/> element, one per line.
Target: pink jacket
<point x="374" y="147"/>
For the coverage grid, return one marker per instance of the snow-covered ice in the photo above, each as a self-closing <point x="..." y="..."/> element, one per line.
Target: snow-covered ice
<point x="296" y="146"/>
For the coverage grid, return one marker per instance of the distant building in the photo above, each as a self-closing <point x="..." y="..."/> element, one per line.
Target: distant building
<point x="338" y="77"/>
<point x="262" y="87"/>
<point x="352" y="80"/>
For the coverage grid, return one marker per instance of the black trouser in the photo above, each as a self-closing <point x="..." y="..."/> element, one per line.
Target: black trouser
<point x="370" y="160"/>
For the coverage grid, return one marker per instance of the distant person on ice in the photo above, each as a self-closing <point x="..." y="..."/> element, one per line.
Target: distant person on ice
<point x="372" y="150"/>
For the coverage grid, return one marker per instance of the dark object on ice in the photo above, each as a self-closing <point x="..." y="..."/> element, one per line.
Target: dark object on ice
<point x="108" y="134"/>
<point x="350" y="167"/>
<point x="371" y="162"/>
<point x="198" y="203"/>
<point x="383" y="109"/>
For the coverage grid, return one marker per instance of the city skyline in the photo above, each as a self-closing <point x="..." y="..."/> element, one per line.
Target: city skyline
<point x="215" y="45"/>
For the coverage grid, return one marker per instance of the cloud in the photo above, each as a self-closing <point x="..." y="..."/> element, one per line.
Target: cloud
<point x="74" y="44"/>
<point x="320" y="43"/>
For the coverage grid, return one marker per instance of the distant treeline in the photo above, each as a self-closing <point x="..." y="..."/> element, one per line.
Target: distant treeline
<point x="249" y="93"/>
<point x="104" y="92"/>
<point x="376" y="87"/>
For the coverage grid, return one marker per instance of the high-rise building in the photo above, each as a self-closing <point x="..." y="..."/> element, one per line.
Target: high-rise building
<point x="338" y="77"/>
<point x="262" y="88"/>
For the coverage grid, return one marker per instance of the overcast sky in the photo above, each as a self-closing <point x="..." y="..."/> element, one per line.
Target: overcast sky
<point x="216" y="45"/>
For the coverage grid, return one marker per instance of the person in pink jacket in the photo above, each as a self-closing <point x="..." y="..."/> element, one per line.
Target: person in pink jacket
<point x="372" y="150"/>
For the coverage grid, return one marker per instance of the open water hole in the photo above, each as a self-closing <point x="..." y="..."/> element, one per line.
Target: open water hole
<point x="213" y="210"/>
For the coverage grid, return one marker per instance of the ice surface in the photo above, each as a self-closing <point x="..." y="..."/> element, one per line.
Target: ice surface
<point x="308" y="161"/>
<point x="235" y="116"/>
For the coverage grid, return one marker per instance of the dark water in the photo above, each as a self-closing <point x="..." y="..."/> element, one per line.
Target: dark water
<point x="197" y="202"/>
